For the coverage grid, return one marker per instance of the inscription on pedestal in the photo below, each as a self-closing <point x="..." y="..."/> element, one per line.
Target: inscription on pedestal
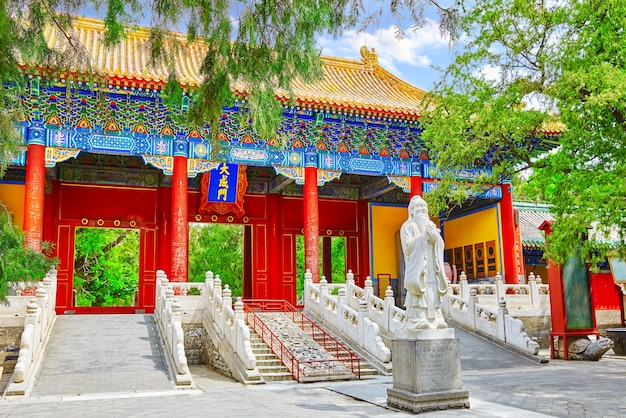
<point x="427" y="375"/>
<point x="428" y="365"/>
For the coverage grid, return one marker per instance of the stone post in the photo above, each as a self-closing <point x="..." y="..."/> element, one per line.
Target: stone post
<point x="501" y="320"/>
<point x="227" y="298"/>
<point x="534" y="290"/>
<point x="306" y="293"/>
<point x="464" y="285"/>
<point x="349" y="287"/>
<point x="238" y="314"/>
<point x="323" y="296"/>
<point x="387" y="304"/>
<point x="41" y="300"/>
<point x="499" y="286"/>
<point x="217" y="285"/>
<point x="218" y="317"/>
<point x="368" y="289"/>
<point x="341" y="300"/>
<point x="168" y="299"/>
<point x="471" y="309"/>
<point x="361" y="315"/>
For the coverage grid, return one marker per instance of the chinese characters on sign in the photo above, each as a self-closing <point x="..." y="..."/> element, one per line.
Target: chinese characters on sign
<point x="223" y="183"/>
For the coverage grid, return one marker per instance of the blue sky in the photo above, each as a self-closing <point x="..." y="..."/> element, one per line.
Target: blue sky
<point x="411" y="58"/>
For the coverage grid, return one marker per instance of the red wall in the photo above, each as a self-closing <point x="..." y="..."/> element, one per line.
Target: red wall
<point x="69" y="206"/>
<point x="603" y="294"/>
<point x="275" y="221"/>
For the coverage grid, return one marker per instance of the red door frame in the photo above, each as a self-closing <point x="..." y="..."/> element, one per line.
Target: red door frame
<point x="72" y="211"/>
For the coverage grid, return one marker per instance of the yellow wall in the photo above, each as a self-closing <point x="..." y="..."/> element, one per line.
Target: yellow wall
<point x="473" y="229"/>
<point x="386" y="223"/>
<point x="12" y="196"/>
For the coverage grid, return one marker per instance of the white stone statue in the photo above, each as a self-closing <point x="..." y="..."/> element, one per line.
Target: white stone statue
<point x="424" y="274"/>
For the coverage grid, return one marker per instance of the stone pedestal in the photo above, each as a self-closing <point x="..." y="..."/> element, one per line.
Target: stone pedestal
<point x="426" y="371"/>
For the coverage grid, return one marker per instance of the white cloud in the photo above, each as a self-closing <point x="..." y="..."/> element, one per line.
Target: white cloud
<point x="393" y="54"/>
<point x="489" y="73"/>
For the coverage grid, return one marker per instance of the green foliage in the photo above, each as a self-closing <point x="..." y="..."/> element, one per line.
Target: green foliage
<point x="530" y="65"/>
<point x="262" y="45"/>
<point x="338" y="263"/>
<point x="219" y="248"/>
<point x="18" y="263"/>
<point x="106" y="266"/>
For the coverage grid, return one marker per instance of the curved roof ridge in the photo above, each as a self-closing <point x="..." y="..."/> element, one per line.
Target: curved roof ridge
<point x="348" y="85"/>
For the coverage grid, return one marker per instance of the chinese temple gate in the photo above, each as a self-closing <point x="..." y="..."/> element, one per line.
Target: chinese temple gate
<point x="346" y="159"/>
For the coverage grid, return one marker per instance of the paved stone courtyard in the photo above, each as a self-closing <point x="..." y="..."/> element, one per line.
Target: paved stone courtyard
<point x="500" y="383"/>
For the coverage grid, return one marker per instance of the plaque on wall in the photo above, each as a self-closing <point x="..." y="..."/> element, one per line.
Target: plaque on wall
<point x="223" y="189"/>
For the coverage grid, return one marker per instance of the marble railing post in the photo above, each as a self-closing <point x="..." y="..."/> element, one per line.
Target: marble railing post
<point x="471" y="308"/>
<point x="167" y="301"/>
<point x="217" y="291"/>
<point x="323" y="295"/>
<point x="349" y="287"/>
<point x="389" y="301"/>
<point x="208" y="282"/>
<point x="41" y="301"/>
<point x="361" y="315"/>
<point x="368" y="289"/>
<point x="350" y="278"/>
<point x="465" y="293"/>
<point x="499" y="286"/>
<point x="227" y="297"/>
<point x="500" y="321"/>
<point x="178" y="339"/>
<point x="534" y="289"/>
<point x="341" y="300"/>
<point x="238" y="315"/>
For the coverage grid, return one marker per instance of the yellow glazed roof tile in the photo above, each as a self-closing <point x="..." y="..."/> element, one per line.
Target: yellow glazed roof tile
<point x="347" y="84"/>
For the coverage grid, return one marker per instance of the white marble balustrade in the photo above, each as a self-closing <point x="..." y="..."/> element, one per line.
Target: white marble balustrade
<point x="167" y="314"/>
<point x="204" y="303"/>
<point x="356" y="312"/>
<point x="353" y="309"/>
<point x="38" y="323"/>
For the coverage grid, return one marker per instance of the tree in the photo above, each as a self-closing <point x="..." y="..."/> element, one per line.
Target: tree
<point x="106" y="266"/>
<point x="17" y="262"/>
<point x="537" y="73"/>
<point x="263" y="44"/>
<point x="218" y="248"/>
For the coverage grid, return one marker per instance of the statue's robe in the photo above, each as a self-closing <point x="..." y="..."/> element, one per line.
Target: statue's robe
<point x="424" y="277"/>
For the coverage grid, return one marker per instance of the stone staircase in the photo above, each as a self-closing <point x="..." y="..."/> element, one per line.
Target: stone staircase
<point x="268" y="363"/>
<point x="271" y="368"/>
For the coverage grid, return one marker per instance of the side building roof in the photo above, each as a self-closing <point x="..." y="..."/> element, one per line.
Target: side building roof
<point x="531" y="216"/>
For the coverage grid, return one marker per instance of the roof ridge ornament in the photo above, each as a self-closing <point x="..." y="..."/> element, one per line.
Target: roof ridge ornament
<point x="370" y="59"/>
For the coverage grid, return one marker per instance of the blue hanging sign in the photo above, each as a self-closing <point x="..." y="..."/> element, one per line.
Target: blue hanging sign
<point x="223" y="183"/>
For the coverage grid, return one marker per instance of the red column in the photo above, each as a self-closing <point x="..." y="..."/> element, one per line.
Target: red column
<point x="179" y="225"/>
<point x="364" y="243"/>
<point x="34" y="195"/>
<point x="164" y="217"/>
<point x="416" y="186"/>
<point x="509" y="253"/>
<point x="311" y="223"/>
<point x="274" y="272"/>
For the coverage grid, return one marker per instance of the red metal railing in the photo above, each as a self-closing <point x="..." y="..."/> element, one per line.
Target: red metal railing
<point x="300" y="369"/>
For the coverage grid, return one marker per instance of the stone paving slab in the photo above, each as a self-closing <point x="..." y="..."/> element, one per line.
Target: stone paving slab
<point x="124" y="356"/>
<point x="499" y="386"/>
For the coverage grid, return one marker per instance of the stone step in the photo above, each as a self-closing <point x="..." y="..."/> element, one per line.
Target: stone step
<point x="277" y="377"/>
<point x="265" y="356"/>
<point x="268" y="362"/>
<point x="272" y="369"/>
